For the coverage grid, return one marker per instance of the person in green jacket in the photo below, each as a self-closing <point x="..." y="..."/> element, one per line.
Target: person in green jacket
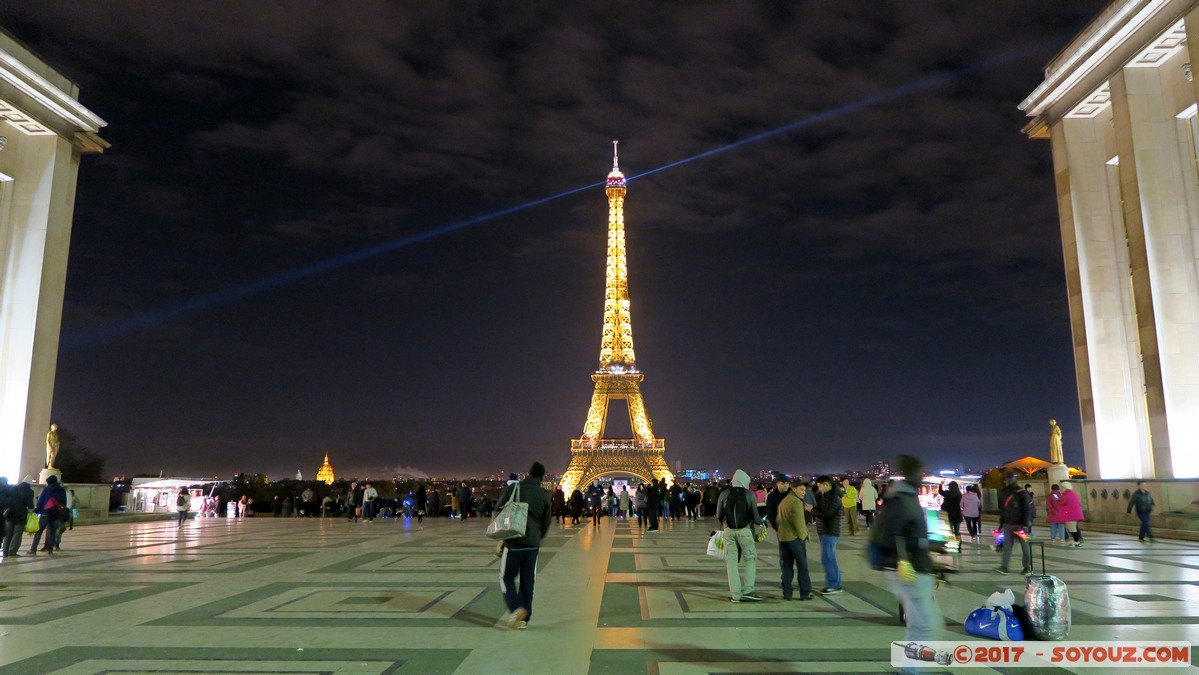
<point x="519" y="556"/>
<point x="793" y="541"/>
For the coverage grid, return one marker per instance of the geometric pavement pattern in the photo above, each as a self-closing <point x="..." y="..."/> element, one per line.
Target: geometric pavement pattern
<point x="294" y="595"/>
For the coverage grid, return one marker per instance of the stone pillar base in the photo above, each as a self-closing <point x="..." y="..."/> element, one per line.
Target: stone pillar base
<point x="45" y="473"/>
<point x="1057" y="473"/>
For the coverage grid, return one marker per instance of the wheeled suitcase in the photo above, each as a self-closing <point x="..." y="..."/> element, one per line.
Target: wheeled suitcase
<point x="1047" y="602"/>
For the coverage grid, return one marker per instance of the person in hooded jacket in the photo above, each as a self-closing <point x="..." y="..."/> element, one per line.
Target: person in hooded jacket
<point x="869" y="500"/>
<point x="901" y="534"/>
<point x="737" y="511"/>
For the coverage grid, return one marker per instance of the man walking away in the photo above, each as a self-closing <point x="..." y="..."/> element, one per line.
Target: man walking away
<point x="902" y="523"/>
<point x="828" y="511"/>
<point x="653" y="501"/>
<point x="793" y="539"/>
<point x="849" y="501"/>
<point x="183" y="504"/>
<point x="370" y="503"/>
<point x="1015" y="517"/>
<point x="519" y="558"/>
<point x="1143" y="502"/>
<point x="737" y="510"/>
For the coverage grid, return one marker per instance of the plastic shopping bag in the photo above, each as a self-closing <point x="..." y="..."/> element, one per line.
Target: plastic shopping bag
<point x="716" y="545"/>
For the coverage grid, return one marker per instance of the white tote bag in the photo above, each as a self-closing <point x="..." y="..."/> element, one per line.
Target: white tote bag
<point x="512" y="520"/>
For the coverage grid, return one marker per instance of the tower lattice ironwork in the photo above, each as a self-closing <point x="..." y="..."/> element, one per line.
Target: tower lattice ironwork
<point x="594" y="455"/>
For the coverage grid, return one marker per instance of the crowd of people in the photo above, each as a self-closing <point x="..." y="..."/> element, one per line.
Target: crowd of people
<point x="53" y="513"/>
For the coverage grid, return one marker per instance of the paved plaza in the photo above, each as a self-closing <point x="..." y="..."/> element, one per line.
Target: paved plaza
<point x="326" y="596"/>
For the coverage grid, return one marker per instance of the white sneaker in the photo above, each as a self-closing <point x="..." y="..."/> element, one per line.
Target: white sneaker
<point x="517" y="617"/>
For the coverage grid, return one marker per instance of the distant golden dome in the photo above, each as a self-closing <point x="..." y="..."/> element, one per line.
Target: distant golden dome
<point x="325" y="473"/>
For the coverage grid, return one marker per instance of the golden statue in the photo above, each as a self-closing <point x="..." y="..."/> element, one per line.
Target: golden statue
<point x="52" y="446"/>
<point x="1055" y="443"/>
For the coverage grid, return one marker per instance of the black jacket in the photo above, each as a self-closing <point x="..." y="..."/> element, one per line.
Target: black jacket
<point x="951" y="503"/>
<point x="902" y="521"/>
<point x="773" y="498"/>
<point x="830" y="512"/>
<point x="1015" y="506"/>
<point x="1142" y="501"/>
<point x="540" y="513"/>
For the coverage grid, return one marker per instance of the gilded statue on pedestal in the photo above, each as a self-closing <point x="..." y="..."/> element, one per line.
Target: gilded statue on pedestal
<point x="1055" y="443"/>
<point x="52" y="446"/>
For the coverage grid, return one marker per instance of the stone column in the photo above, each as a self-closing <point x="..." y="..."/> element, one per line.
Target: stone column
<point x="1160" y="233"/>
<point x="37" y="234"/>
<point x="1103" y="320"/>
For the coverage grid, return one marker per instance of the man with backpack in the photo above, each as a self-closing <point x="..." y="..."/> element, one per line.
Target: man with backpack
<point x="1015" y="521"/>
<point x="183" y="504"/>
<point x="737" y="510"/>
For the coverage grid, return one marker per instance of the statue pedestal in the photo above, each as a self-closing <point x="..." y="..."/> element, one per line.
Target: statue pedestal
<point x="1056" y="473"/>
<point x="44" y="473"/>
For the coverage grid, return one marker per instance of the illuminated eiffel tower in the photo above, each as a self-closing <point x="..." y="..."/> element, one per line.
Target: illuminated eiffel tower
<point x="594" y="455"/>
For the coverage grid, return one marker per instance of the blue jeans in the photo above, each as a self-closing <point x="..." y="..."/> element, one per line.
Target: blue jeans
<point x="922" y="615"/>
<point x="1057" y="531"/>
<point x="368" y="510"/>
<point x="828" y="558"/>
<point x="522" y="562"/>
<point x="792" y="555"/>
<point x="50" y="527"/>
<point x="1146" y="533"/>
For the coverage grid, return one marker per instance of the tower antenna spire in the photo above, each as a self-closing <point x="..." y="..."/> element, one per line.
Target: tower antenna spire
<point x="615" y="156"/>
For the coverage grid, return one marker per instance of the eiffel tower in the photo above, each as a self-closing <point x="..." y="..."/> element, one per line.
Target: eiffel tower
<point x="594" y="455"/>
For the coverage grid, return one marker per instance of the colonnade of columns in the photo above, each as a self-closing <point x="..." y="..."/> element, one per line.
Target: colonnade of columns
<point x="1119" y="107"/>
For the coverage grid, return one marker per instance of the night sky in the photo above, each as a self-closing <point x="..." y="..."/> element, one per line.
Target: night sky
<point x="883" y="277"/>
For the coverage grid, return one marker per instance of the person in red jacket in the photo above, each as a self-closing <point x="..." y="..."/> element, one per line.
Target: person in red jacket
<point x="1070" y="511"/>
<point x="1057" y="526"/>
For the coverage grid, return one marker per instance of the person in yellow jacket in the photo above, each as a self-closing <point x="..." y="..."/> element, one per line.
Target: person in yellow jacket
<point x="849" y="499"/>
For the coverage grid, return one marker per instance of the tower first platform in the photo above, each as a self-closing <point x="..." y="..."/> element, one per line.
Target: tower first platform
<point x="594" y="455"/>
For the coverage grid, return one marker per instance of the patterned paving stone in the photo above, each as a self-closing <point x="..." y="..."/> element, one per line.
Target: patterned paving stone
<point x="72" y="660"/>
<point x="326" y="596"/>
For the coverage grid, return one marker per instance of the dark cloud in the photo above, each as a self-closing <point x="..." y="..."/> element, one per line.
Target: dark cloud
<point x="894" y="255"/>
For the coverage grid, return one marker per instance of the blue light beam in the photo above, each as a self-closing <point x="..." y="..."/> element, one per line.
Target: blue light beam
<point x="224" y="297"/>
